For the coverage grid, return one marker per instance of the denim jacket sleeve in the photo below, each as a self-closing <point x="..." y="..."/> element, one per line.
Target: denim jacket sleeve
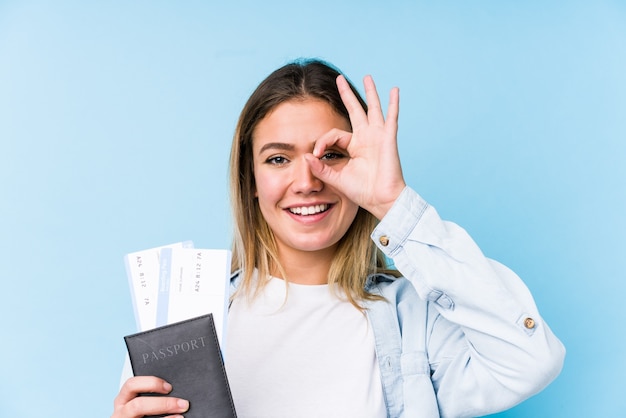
<point x="488" y="347"/>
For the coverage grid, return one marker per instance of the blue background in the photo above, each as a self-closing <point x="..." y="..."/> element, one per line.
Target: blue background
<point x="115" y="124"/>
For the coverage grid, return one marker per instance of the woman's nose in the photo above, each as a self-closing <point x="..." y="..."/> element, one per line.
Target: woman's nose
<point x="303" y="179"/>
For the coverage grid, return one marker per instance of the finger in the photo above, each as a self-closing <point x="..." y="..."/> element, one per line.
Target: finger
<point x="154" y="405"/>
<point x="334" y="137"/>
<point x="141" y="384"/>
<point x="355" y="110"/>
<point x="393" y="109"/>
<point x="374" y="111"/>
<point x="322" y="171"/>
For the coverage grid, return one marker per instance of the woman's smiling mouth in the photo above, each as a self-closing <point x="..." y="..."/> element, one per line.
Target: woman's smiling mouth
<point x="309" y="210"/>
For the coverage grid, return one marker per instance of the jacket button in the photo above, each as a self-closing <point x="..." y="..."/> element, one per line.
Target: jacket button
<point x="529" y="323"/>
<point x="384" y="241"/>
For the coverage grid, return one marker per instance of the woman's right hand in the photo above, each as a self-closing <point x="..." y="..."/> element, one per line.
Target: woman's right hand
<point x="128" y="403"/>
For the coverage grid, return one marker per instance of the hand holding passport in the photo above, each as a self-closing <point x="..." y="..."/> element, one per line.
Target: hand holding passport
<point x="185" y="353"/>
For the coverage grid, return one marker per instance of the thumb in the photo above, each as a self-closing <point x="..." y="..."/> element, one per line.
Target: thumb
<point x="321" y="170"/>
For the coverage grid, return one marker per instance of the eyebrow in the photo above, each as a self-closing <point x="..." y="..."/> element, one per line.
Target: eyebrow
<point x="277" y="145"/>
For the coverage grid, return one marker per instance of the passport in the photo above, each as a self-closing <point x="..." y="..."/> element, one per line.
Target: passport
<point x="186" y="354"/>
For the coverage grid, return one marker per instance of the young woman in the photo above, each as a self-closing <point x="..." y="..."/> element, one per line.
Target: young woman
<point x="319" y="325"/>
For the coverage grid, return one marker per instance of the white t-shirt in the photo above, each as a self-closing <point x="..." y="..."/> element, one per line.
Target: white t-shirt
<point x="309" y="355"/>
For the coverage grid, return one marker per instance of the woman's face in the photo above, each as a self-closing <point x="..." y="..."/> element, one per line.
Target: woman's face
<point x="304" y="213"/>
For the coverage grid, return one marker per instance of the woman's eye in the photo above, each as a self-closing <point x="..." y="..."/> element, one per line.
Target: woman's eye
<point x="278" y="160"/>
<point x="332" y="155"/>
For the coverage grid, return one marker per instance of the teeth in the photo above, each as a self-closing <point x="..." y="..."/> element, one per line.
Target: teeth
<point x="309" y="210"/>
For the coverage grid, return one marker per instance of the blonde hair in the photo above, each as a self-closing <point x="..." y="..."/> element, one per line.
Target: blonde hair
<point x="254" y="245"/>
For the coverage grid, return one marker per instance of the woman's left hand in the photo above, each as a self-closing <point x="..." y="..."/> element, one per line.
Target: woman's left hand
<point x="372" y="177"/>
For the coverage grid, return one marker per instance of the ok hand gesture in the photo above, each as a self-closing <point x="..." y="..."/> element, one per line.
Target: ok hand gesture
<point x="372" y="177"/>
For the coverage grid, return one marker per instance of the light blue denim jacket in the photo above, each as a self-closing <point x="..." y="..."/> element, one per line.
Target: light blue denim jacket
<point x="459" y="335"/>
